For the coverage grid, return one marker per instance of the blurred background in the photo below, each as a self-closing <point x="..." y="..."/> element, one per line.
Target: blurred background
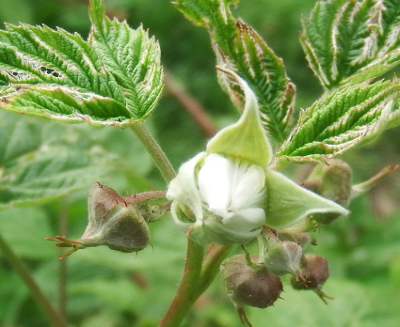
<point x="99" y="287"/>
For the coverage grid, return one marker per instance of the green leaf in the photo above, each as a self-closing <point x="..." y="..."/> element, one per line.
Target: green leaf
<point x="24" y="229"/>
<point x="239" y="48"/>
<point x="356" y="304"/>
<point x="46" y="176"/>
<point x="352" y="41"/>
<point x="132" y="57"/>
<point x="34" y="168"/>
<point x="14" y="139"/>
<point x="342" y="119"/>
<point x="113" y="78"/>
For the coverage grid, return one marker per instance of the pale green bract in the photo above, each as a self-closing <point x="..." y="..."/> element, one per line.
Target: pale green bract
<point x="113" y="78"/>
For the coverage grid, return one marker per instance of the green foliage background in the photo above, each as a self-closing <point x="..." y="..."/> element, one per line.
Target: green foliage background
<point x="107" y="288"/>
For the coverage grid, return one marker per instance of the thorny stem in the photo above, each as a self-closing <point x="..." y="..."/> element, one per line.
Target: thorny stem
<point x="197" y="277"/>
<point x="16" y="263"/>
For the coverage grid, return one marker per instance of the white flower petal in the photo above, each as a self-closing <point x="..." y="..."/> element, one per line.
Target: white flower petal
<point x="214" y="182"/>
<point x="249" y="188"/>
<point x="183" y="187"/>
<point x="245" y="219"/>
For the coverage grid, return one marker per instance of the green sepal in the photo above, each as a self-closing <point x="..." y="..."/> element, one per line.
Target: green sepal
<point x="246" y="139"/>
<point x="289" y="203"/>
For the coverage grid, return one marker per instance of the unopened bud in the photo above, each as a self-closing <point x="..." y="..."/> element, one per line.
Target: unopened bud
<point x="252" y="284"/>
<point x="280" y="257"/>
<point x="112" y="221"/>
<point x="284" y="258"/>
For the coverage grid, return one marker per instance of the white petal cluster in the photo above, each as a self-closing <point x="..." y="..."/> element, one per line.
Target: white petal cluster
<point x="224" y="195"/>
<point x="233" y="190"/>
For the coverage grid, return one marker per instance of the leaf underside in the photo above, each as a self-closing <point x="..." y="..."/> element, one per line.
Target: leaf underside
<point x="113" y="78"/>
<point x="239" y="48"/>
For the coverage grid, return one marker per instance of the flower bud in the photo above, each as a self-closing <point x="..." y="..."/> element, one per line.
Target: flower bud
<point x="280" y="257"/>
<point x="284" y="258"/>
<point x="249" y="283"/>
<point x="218" y="199"/>
<point x="112" y="222"/>
<point x="313" y="274"/>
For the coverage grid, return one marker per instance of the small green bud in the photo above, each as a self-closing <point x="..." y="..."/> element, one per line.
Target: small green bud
<point x="284" y="258"/>
<point x="113" y="221"/>
<point x="280" y="257"/>
<point x="250" y="284"/>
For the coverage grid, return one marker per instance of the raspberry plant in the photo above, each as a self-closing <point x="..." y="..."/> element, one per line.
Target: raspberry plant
<point x="233" y="192"/>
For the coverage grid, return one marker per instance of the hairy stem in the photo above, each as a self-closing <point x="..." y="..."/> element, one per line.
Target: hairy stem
<point x="155" y="151"/>
<point x="188" y="291"/>
<point x="212" y="261"/>
<point x="52" y="314"/>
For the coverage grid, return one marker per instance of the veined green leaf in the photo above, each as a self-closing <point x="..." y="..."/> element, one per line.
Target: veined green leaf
<point x="348" y="42"/>
<point x="113" y="78"/>
<point x="131" y="56"/>
<point x="239" y="48"/>
<point x="342" y="119"/>
<point x="46" y="176"/>
<point x="18" y="137"/>
<point x="32" y="170"/>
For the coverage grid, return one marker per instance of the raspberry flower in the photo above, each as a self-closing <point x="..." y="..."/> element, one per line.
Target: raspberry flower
<point x="227" y="193"/>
